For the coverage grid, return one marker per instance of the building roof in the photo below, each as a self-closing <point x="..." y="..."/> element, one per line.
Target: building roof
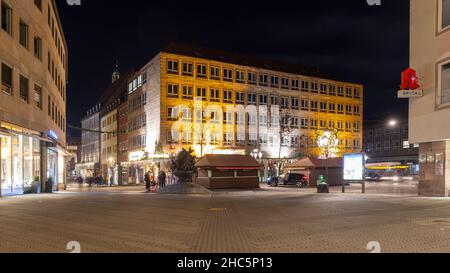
<point x="307" y="162"/>
<point x="250" y="61"/>
<point x="228" y="162"/>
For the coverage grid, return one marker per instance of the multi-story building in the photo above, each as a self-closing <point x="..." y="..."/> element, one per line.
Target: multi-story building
<point x="89" y="165"/>
<point x="430" y="57"/>
<point x="33" y="65"/>
<point x="216" y="102"/>
<point x="389" y="143"/>
<point x="122" y="141"/>
<point x="108" y="144"/>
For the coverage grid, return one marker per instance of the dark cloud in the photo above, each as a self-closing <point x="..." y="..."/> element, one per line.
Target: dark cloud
<point x="350" y="39"/>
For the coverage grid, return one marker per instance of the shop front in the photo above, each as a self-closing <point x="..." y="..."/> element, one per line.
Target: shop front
<point x="20" y="160"/>
<point x="139" y="164"/>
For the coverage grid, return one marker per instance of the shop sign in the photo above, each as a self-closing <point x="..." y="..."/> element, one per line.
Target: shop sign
<point x="52" y="135"/>
<point x="410" y="85"/>
<point x="402" y="94"/>
<point x="136" y="156"/>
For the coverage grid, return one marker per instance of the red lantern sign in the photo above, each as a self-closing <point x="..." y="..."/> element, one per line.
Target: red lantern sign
<point x="410" y="81"/>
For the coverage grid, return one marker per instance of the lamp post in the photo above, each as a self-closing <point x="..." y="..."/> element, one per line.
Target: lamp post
<point x="326" y="141"/>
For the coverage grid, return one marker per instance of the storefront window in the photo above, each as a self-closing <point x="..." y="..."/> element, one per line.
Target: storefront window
<point x="27" y="162"/>
<point x="17" y="164"/>
<point x="52" y="167"/>
<point x="6" y="165"/>
<point x="36" y="158"/>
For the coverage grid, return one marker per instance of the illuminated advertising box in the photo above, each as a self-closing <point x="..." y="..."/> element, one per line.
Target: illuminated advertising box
<point x="354" y="167"/>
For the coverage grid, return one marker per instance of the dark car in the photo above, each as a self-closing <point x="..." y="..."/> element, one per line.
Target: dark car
<point x="299" y="180"/>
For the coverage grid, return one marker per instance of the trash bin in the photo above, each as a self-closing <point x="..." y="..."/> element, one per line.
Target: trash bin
<point x="322" y="186"/>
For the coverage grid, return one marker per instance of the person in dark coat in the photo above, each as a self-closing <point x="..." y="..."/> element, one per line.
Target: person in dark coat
<point x="147" y="182"/>
<point x="162" y="179"/>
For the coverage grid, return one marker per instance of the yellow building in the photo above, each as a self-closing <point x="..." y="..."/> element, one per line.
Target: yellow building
<point x="33" y="69"/>
<point x="218" y="102"/>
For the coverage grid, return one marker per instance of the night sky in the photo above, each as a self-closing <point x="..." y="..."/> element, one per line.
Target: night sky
<point x="349" y="39"/>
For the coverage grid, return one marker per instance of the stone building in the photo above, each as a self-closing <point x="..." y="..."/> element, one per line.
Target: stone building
<point x="430" y="57"/>
<point x="33" y="67"/>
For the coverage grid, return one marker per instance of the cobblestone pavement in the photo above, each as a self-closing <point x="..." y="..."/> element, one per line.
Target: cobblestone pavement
<point x="268" y="220"/>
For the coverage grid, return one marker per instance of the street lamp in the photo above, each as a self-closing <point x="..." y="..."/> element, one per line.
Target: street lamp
<point x="393" y="123"/>
<point x="327" y="141"/>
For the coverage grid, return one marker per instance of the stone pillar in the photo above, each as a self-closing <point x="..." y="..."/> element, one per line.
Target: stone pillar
<point x="43" y="164"/>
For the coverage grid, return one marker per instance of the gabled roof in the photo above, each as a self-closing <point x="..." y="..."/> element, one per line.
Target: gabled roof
<point x="307" y="162"/>
<point x="250" y="61"/>
<point x="228" y="161"/>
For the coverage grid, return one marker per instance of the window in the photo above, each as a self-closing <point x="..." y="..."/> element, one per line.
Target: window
<point x="251" y="98"/>
<point x="172" y="90"/>
<point x="187" y="92"/>
<point x="305" y="105"/>
<point x="38" y="4"/>
<point x="7" y="79"/>
<point x="215" y="73"/>
<point x="340" y="91"/>
<point x="348" y="109"/>
<point x="294" y="122"/>
<point x="263" y="80"/>
<point x="305" y="86"/>
<point x="274" y="100"/>
<point x="445" y="13"/>
<point x="23" y="31"/>
<point x="24" y="88"/>
<point x="240" y="76"/>
<point x="348" y="92"/>
<point x="227" y="74"/>
<point x="304" y="123"/>
<point x="214" y="94"/>
<point x="274" y="81"/>
<point x="228" y="117"/>
<point x="332" y="90"/>
<point x="348" y="126"/>
<point x="38" y="48"/>
<point x="6" y="18"/>
<point x="285" y="83"/>
<point x="172" y="67"/>
<point x="294" y="84"/>
<point x="284" y="102"/>
<point x="201" y="92"/>
<point x="172" y="113"/>
<point x="187" y="69"/>
<point x="173" y="136"/>
<point x="251" y="78"/>
<point x="340" y="108"/>
<point x="262" y="120"/>
<point x="332" y="107"/>
<point x="314" y="124"/>
<point x="406" y="144"/>
<point x="356" y="110"/>
<point x="323" y="88"/>
<point x="201" y="71"/>
<point x="239" y="98"/>
<point x="445" y="82"/>
<point x="262" y="99"/>
<point x="323" y="106"/>
<point x="227" y="96"/>
<point x="38" y="96"/>
<point x="356" y="93"/>
<point x="356" y="127"/>
<point x="314" y="106"/>
<point x="294" y="103"/>
<point x="314" y="87"/>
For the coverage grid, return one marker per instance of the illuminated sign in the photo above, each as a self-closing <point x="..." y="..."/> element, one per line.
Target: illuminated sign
<point x="410" y="81"/>
<point x="354" y="167"/>
<point x="52" y="135"/>
<point x="136" y="156"/>
<point x="402" y="94"/>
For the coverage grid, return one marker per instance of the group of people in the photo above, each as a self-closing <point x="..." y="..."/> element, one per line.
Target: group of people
<point x="152" y="184"/>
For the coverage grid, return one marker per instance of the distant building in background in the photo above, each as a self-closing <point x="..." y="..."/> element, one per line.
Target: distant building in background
<point x="429" y="115"/>
<point x="33" y="69"/>
<point x="384" y="143"/>
<point x="90" y="144"/>
<point x="74" y="148"/>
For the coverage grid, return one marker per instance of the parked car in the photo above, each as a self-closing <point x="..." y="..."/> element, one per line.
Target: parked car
<point x="299" y="180"/>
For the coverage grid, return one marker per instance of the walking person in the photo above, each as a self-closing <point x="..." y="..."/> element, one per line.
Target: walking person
<point x="162" y="179"/>
<point x="147" y="182"/>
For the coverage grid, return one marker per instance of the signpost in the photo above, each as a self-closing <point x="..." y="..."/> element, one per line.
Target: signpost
<point x="354" y="170"/>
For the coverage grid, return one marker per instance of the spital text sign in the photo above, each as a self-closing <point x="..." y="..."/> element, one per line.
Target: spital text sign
<point x="404" y="94"/>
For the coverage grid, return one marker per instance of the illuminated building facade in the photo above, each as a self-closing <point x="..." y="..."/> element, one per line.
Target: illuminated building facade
<point x="33" y="69"/>
<point x="220" y="103"/>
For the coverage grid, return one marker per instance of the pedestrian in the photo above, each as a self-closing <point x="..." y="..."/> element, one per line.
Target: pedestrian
<point x="153" y="183"/>
<point x="147" y="182"/>
<point x="111" y="181"/>
<point x="162" y="179"/>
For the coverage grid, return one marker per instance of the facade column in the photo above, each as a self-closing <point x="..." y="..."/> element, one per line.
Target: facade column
<point x="43" y="165"/>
